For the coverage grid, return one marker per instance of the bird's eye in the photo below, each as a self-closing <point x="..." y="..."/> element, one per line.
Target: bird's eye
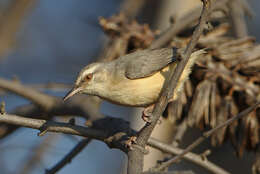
<point x="88" y="77"/>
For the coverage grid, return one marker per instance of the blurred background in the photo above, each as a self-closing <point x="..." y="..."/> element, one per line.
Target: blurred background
<point x="53" y="41"/>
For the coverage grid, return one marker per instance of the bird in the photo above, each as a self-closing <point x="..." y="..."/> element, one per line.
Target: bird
<point x="135" y="79"/>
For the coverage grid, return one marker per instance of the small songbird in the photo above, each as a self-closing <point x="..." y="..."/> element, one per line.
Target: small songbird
<point x="135" y="79"/>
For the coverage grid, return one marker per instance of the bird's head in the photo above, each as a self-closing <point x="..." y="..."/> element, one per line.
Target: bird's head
<point x="89" y="80"/>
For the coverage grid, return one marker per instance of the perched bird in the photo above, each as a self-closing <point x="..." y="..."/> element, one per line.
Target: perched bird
<point x="135" y="79"/>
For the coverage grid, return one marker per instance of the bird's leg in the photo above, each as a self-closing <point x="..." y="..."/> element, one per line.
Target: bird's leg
<point x="146" y="115"/>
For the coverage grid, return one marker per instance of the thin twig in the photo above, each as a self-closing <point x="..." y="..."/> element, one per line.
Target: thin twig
<point x="146" y="131"/>
<point x="189" y="156"/>
<point x="182" y="128"/>
<point x="68" y="158"/>
<point x="53" y="126"/>
<point x="208" y="134"/>
<point x="51" y="86"/>
<point x="135" y="156"/>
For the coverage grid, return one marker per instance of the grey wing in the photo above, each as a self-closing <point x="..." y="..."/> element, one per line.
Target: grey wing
<point x="146" y="62"/>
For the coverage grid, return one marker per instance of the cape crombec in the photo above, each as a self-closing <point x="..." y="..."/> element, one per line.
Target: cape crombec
<point x="135" y="79"/>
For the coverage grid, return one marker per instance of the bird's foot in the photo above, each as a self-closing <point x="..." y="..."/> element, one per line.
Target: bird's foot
<point x="147" y="113"/>
<point x="129" y="143"/>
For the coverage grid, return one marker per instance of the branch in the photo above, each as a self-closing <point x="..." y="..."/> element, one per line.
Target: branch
<point x="10" y="22"/>
<point x="46" y="86"/>
<point x="84" y="106"/>
<point x="36" y="156"/>
<point x="54" y="86"/>
<point x="87" y="107"/>
<point x="77" y="106"/>
<point x="135" y="157"/>
<point x="208" y="134"/>
<point x="183" y="23"/>
<point x="52" y="126"/>
<point x="67" y="159"/>
<point x="113" y="131"/>
<point x="104" y="130"/>
<point x="40" y="99"/>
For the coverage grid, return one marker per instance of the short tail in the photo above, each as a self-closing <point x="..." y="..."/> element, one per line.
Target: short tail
<point x="193" y="58"/>
<point x="186" y="72"/>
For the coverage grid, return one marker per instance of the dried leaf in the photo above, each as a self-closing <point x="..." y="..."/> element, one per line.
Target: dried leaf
<point x="222" y="116"/>
<point x="188" y="88"/>
<point x="200" y="104"/>
<point x="233" y="110"/>
<point x="214" y="104"/>
<point x="137" y="36"/>
<point x="253" y="128"/>
<point x="175" y="110"/>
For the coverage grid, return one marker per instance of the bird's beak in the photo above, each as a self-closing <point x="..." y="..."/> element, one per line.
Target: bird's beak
<point x="72" y="92"/>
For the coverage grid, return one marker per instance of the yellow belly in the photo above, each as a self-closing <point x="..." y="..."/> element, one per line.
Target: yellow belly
<point x="139" y="92"/>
